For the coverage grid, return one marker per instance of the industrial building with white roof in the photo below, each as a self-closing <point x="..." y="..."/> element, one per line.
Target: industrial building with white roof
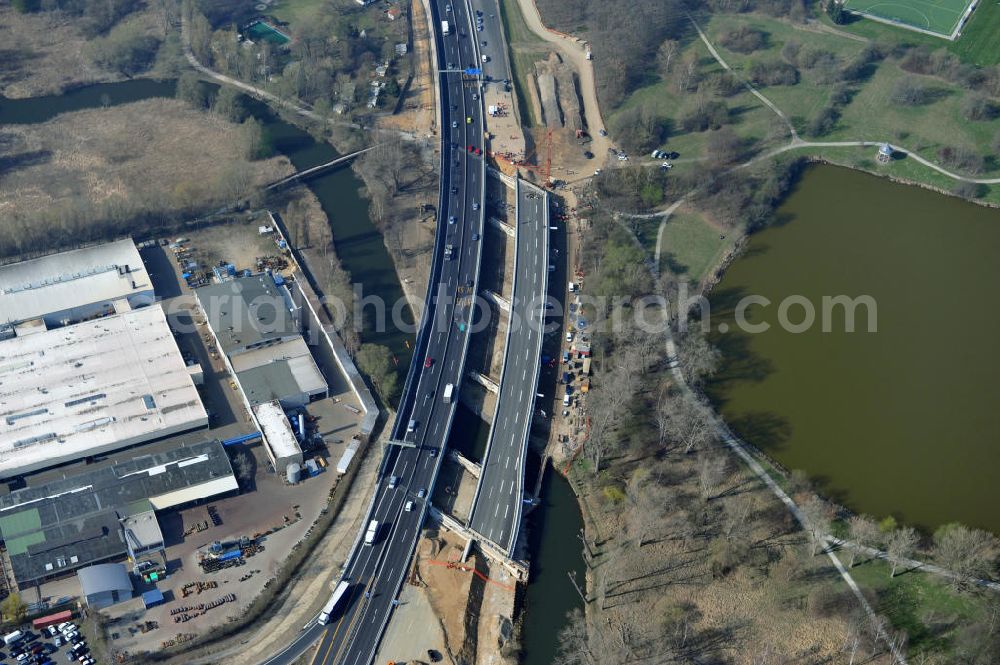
<point x="92" y="387"/>
<point x="74" y="285"/>
<point x="82" y="372"/>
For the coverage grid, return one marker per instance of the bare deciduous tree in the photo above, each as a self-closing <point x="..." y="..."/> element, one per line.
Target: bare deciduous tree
<point x="900" y="545"/>
<point x="865" y="532"/>
<point x="970" y="553"/>
<point x="817" y="515"/>
<point x="684" y="420"/>
<point x="698" y="358"/>
<point x="711" y="472"/>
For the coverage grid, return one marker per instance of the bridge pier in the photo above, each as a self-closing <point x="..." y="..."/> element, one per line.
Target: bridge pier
<point x="498" y="300"/>
<point x="507" y="180"/>
<point x="485" y="382"/>
<point x="503" y="226"/>
<point x="518" y="569"/>
<point x="465" y="463"/>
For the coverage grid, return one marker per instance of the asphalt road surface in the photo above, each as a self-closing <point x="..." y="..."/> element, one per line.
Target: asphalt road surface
<point x="376" y="571"/>
<point x="490" y="41"/>
<point x="496" y="509"/>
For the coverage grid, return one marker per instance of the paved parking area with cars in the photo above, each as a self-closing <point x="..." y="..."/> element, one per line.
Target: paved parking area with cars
<point x="50" y="646"/>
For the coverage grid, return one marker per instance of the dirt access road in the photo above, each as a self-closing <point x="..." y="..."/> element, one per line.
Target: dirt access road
<point x="574" y="52"/>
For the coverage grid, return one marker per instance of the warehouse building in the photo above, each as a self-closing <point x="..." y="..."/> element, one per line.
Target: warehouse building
<point x="249" y="313"/>
<point x="103" y="514"/>
<point x="285" y="372"/>
<point x="105" y="584"/>
<point x="256" y="324"/>
<point x="74" y="286"/>
<point x="90" y="388"/>
<point x="281" y="445"/>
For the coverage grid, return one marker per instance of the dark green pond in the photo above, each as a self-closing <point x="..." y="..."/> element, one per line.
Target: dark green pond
<point x="359" y="244"/>
<point x="902" y="421"/>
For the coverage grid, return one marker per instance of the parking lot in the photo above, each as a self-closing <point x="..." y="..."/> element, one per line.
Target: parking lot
<point x="49" y="645"/>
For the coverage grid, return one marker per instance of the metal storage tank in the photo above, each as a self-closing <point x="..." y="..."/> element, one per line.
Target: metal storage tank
<point x="293" y="473"/>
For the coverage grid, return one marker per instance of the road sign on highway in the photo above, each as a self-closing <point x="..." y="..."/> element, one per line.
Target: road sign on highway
<point x="473" y="71"/>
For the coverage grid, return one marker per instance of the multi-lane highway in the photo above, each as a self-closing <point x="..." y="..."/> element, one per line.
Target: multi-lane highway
<point x="496" y="509"/>
<point x="491" y="43"/>
<point x="376" y="571"/>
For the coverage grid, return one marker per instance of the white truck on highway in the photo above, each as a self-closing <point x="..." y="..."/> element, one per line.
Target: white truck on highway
<point x="449" y="390"/>
<point x="371" y="533"/>
<point x="331" y="604"/>
<point x="445" y="28"/>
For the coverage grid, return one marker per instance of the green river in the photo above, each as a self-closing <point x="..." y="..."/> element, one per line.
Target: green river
<point x="903" y="421"/>
<point x="552" y="527"/>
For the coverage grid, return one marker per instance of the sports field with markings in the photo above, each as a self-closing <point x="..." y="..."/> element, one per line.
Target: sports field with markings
<point x="938" y="16"/>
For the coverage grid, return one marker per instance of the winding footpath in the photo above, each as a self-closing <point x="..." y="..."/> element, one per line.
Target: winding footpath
<point x="740" y="449"/>
<point x="795" y="143"/>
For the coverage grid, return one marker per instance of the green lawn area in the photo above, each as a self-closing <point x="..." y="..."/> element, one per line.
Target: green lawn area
<point x="872" y="114"/>
<point x="524" y="48"/>
<point x="919" y="603"/>
<point x="980" y="40"/>
<point x="296" y="11"/>
<point x="977" y="45"/>
<point x="802" y="101"/>
<point x="691" y="246"/>
<point x="752" y="121"/>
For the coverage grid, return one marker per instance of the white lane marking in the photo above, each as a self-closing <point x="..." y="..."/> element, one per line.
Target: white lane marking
<point x="507" y="463"/>
<point x="497" y="511"/>
<point x="506" y="510"/>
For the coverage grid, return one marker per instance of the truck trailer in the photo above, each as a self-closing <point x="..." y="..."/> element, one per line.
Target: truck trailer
<point x="331" y="604"/>
<point x="445" y="28"/>
<point x="371" y="533"/>
<point x="449" y="390"/>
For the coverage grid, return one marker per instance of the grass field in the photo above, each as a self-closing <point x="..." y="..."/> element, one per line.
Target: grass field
<point x="692" y="247"/>
<point x="920" y="604"/>
<point x="296" y="11"/>
<point x="872" y="114"/>
<point x="980" y="40"/>
<point x="756" y="125"/>
<point x="938" y="16"/>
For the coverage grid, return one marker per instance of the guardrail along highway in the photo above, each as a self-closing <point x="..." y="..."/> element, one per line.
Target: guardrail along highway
<point x="496" y="508"/>
<point x="377" y="571"/>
